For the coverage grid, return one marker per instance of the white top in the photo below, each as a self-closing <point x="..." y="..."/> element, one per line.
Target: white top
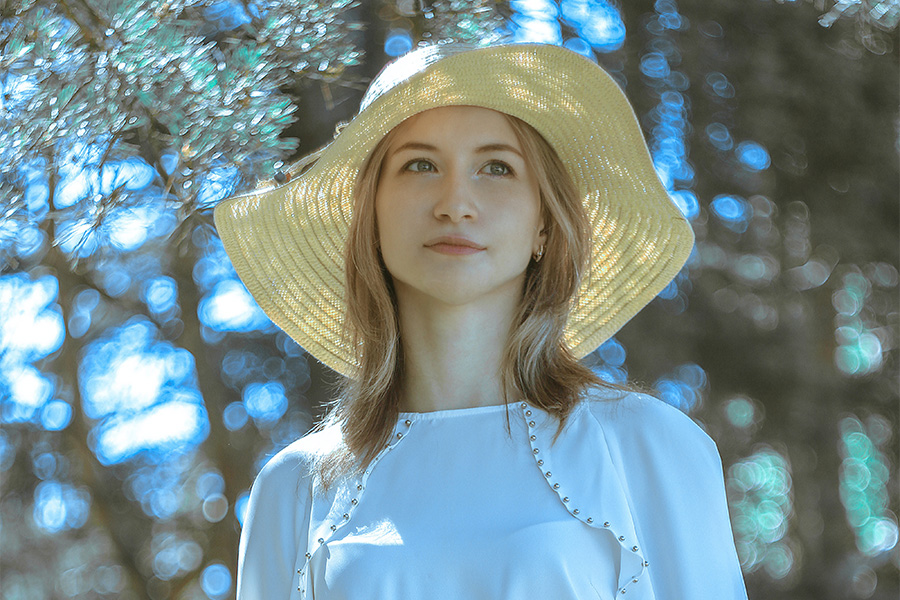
<point x="521" y="544"/>
<point x="629" y="499"/>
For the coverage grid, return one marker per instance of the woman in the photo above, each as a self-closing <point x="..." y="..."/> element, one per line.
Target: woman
<point x="489" y="217"/>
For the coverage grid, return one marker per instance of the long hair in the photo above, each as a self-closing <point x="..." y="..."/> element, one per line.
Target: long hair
<point x="536" y="365"/>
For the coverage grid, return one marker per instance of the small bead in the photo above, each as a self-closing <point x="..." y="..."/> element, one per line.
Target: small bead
<point x="399" y="436"/>
<point x="334" y="527"/>
<point x="555" y="486"/>
<point x="354" y="502"/>
<point x="634" y="580"/>
<point x="299" y="571"/>
<point x="523" y="405"/>
<point x="541" y="463"/>
<point x="548" y="474"/>
<point x="531" y="423"/>
<point x="623" y="591"/>
<point x="576" y="511"/>
<point x="308" y="556"/>
<point x="408" y="422"/>
<point x="533" y="438"/>
<point x="566" y="499"/>
<point x="359" y="487"/>
<point x="321" y="541"/>
<point x="298" y="589"/>
<point x="590" y="520"/>
<point x="646" y="563"/>
<point x="621" y="538"/>
<point x="535" y="451"/>
<point x="527" y="413"/>
<point x="606" y="523"/>
<point x="634" y="548"/>
<point x="346" y="516"/>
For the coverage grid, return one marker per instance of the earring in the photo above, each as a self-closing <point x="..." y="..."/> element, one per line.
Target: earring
<point x="539" y="254"/>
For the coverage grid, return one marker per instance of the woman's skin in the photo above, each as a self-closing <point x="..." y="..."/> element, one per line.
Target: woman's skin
<point x="455" y="176"/>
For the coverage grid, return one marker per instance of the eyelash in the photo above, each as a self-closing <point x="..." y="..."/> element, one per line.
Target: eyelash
<point x="509" y="169"/>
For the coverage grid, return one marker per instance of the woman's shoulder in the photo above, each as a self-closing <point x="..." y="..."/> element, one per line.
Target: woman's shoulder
<point x="629" y="414"/>
<point x="293" y="461"/>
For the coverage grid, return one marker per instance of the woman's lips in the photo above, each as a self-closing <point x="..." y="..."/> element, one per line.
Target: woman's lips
<point x="445" y="248"/>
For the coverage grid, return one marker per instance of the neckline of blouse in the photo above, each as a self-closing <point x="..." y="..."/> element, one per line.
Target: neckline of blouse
<point x="455" y="412"/>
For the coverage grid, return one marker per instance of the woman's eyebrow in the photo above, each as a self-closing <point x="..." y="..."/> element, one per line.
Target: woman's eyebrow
<point x="494" y="147"/>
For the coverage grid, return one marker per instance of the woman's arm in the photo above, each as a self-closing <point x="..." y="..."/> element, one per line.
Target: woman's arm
<point x="275" y="528"/>
<point x="673" y="477"/>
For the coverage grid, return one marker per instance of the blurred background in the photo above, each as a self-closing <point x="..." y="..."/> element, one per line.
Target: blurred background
<point x="141" y="389"/>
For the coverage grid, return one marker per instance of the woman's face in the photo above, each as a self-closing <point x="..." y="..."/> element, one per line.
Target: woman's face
<point x="457" y="206"/>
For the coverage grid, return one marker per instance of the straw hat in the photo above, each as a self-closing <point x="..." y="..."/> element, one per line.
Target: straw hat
<point x="286" y="240"/>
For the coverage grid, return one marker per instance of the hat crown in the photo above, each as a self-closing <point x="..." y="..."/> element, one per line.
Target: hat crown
<point x="407" y="66"/>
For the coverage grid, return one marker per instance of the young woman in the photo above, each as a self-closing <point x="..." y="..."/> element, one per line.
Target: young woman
<point x="489" y="217"/>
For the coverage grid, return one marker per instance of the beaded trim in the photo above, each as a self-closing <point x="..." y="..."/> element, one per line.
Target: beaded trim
<point x="543" y="461"/>
<point x="360" y="484"/>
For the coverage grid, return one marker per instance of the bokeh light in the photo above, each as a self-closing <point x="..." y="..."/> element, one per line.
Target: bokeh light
<point x="684" y="387"/>
<point x="760" y="490"/>
<point x="58" y="506"/>
<point x="142" y="392"/>
<point x="864" y="477"/>
<point x="397" y="42"/>
<point x="216" y="581"/>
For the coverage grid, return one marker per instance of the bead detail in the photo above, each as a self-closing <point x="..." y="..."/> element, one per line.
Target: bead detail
<point x="527" y="413"/>
<point x="533" y="438"/>
<point x="548" y="474"/>
<point x="590" y="520"/>
<point x="359" y="487"/>
<point x="346" y="516"/>
<point x="576" y="511"/>
<point x="531" y="423"/>
<point x="621" y="538"/>
<point x="408" y="422"/>
<point x="523" y="405"/>
<point x="399" y="435"/>
<point x="535" y="451"/>
<point x="321" y="541"/>
<point x="299" y="571"/>
<point x="334" y="527"/>
<point x="308" y="556"/>
<point x="646" y="563"/>
<point x="634" y="580"/>
<point x="606" y="523"/>
<point x="634" y="548"/>
<point x="566" y="499"/>
<point x="555" y="486"/>
<point x="354" y="502"/>
<point x="541" y="463"/>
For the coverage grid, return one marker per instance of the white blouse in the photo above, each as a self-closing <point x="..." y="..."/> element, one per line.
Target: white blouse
<point x="521" y="544"/>
<point x="628" y="503"/>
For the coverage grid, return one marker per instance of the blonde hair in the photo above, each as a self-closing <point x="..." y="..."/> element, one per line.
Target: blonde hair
<point x="536" y="365"/>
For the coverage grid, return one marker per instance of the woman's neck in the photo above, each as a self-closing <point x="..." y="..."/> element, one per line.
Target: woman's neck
<point x="453" y="354"/>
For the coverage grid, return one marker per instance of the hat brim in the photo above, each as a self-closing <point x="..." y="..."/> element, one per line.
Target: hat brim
<point x="287" y="242"/>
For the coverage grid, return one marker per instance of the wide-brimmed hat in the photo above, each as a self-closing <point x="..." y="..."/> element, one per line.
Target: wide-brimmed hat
<point x="286" y="240"/>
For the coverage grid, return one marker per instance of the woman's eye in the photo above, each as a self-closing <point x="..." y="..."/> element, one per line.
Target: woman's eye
<point x="419" y="166"/>
<point x="498" y="169"/>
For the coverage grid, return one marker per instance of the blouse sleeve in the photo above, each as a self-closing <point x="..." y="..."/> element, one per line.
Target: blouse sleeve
<point x="275" y="527"/>
<point x="672" y="473"/>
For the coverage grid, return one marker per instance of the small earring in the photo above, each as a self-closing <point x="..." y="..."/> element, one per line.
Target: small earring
<point x="539" y="255"/>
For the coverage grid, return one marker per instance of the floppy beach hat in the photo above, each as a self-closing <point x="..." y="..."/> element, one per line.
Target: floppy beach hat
<point x="286" y="240"/>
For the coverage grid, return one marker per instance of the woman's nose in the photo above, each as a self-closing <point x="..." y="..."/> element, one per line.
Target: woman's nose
<point x="455" y="199"/>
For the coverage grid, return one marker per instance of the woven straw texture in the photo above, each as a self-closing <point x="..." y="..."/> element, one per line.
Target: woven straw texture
<point x="286" y="242"/>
